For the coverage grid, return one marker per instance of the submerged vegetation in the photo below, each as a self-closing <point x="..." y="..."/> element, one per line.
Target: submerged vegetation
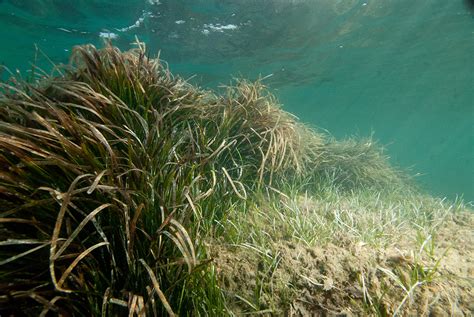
<point x="126" y="190"/>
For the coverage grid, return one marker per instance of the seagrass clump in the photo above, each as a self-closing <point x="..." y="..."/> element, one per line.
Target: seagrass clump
<point x="106" y="172"/>
<point x="113" y="171"/>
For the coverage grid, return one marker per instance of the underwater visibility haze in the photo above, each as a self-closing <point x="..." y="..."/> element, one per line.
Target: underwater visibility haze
<point x="401" y="71"/>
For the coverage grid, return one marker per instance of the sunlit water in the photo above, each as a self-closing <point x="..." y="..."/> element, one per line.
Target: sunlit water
<point x="401" y="70"/>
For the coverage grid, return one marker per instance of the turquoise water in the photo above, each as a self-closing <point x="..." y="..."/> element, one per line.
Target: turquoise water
<point x="400" y="70"/>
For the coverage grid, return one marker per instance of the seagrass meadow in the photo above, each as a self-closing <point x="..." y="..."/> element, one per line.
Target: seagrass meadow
<point x="127" y="191"/>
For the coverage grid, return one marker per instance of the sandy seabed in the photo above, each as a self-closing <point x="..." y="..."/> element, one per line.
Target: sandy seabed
<point x="354" y="279"/>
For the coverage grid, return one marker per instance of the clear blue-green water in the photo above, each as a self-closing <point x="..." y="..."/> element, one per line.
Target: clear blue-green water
<point x="401" y="70"/>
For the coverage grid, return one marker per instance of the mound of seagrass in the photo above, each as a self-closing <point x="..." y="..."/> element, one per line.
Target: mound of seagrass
<point x="113" y="170"/>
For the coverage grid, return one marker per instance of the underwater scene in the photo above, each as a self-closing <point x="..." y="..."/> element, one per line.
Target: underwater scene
<point x="236" y="157"/>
